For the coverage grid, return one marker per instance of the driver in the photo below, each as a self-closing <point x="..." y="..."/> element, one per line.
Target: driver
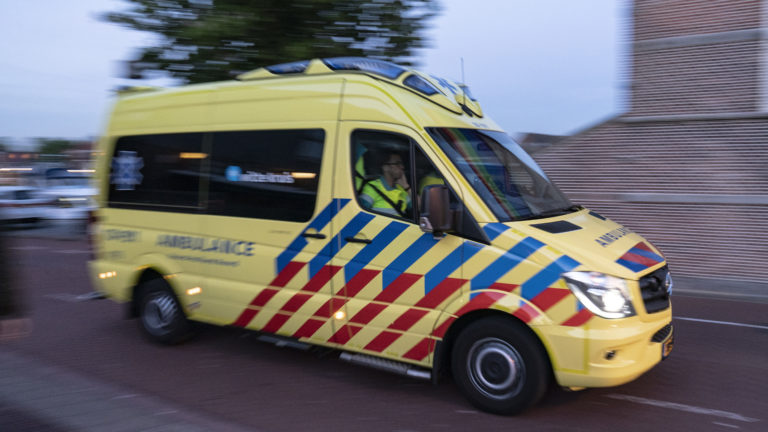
<point x="390" y="193"/>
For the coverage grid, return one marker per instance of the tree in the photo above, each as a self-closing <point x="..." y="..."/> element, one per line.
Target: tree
<point x="53" y="145"/>
<point x="210" y="40"/>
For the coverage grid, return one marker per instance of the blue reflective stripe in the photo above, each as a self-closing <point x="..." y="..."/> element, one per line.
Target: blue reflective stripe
<point x="635" y="267"/>
<point x="492" y="230"/>
<point x="337" y="242"/>
<point x="646" y="254"/>
<point x="449" y="264"/>
<point x="318" y="223"/>
<point x="548" y="275"/>
<point x="505" y="263"/>
<point x="384" y="238"/>
<point x="415" y="251"/>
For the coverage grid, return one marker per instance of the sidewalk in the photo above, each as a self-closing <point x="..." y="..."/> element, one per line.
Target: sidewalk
<point x="720" y="289"/>
<point x="37" y="397"/>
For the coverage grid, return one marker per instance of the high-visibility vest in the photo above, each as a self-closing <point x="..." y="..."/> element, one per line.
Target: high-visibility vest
<point x="372" y="196"/>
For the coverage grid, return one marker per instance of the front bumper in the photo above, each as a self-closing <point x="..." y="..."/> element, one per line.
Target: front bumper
<point x="607" y="353"/>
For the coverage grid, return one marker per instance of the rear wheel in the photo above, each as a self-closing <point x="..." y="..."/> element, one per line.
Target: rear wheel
<point x="161" y="317"/>
<point x="500" y="366"/>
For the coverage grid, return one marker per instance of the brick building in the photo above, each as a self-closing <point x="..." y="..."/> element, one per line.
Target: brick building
<point x="687" y="164"/>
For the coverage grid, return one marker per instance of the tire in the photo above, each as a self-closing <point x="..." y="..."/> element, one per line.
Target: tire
<point x="161" y="317"/>
<point x="500" y="365"/>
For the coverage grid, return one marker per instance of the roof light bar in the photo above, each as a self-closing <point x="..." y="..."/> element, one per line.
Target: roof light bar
<point x="421" y="85"/>
<point x="289" y="68"/>
<point x="378" y="67"/>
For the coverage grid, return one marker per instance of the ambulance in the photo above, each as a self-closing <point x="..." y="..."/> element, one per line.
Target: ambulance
<point x="248" y="203"/>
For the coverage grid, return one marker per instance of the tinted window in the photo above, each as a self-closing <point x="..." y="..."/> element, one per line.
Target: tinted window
<point x="157" y="171"/>
<point x="382" y="172"/>
<point x="265" y="174"/>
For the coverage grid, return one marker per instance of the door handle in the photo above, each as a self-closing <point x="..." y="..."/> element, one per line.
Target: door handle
<point x="357" y="240"/>
<point x="313" y="235"/>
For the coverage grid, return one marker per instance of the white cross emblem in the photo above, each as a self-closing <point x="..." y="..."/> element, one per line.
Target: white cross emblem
<point x="125" y="170"/>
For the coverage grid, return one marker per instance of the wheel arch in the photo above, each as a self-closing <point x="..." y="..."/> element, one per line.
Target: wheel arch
<point x="442" y="360"/>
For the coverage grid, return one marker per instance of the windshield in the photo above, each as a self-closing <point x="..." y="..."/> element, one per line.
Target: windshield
<point x="502" y="173"/>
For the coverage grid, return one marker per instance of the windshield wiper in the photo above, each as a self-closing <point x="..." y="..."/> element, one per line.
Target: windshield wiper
<point x="553" y="213"/>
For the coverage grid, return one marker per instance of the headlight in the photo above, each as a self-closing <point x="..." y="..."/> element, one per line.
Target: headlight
<point x="605" y="296"/>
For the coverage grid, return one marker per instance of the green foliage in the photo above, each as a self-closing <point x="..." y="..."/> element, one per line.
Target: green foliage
<point x="53" y="145"/>
<point x="210" y="40"/>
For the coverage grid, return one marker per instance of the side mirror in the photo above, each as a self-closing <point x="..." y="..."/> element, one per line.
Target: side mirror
<point x="436" y="214"/>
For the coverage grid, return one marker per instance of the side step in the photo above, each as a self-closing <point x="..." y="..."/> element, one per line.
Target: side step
<point x="387" y="365"/>
<point x="283" y="342"/>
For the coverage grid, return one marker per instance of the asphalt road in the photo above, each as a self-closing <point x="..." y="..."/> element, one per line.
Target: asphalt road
<point x="715" y="380"/>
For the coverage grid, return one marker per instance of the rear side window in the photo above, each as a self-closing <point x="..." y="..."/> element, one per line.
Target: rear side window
<point x="265" y="174"/>
<point x="157" y="171"/>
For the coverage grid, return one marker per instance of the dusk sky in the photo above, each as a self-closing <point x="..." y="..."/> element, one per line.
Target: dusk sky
<point x="547" y="66"/>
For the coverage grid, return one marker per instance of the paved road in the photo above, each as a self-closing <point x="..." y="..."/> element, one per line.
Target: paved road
<point x="715" y="380"/>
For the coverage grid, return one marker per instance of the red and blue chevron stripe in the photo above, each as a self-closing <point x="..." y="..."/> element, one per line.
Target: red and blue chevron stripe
<point x="640" y="257"/>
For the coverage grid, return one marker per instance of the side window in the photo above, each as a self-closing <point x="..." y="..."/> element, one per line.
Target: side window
<point x="157" y="171"/>
<point x="381" y="166"/>
<point x="265" y="174"/>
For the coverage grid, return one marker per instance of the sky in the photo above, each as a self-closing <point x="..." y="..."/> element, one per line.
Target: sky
<point x="545" y="66"/>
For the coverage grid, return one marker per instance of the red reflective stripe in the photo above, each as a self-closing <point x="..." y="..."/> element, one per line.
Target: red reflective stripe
<point x="440" y="330"/>
<point x="287" y="274"/>
<point x="643" y="246"/>
<point x="245" y="318"/>
<point x="581" y="317"/>
<point x="639" y="259"/>
<point x="549" y="297"/>
<point x="321" y="278"/>
<point x="526" y="313"/>
<point x="482" y="301"/>
<point x="297" y="301"/>
<point x="345" y="333"/>
<point x="395" y="289"/>
<point x="421" y="350"/>
<point x="276" y="322"/>
<point x="264" y="296"/>
<point x="382" y="341"/>
<point x="408" y="319"/>
<point x="369" y="312"/>
<point x="261" y="299"/>
<point x="503" y="286"/>
<point x="359" y="281"/>
<point x="309" y="328"/>
<point x="442" y="291"/>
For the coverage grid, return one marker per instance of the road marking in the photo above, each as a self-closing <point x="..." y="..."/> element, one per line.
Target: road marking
<point x="726" y="425"/>
<point x="71" y="251"/>
<point x="27" y="248"/>
<point x="723" y="323"/>
<point x="682" y="407"/>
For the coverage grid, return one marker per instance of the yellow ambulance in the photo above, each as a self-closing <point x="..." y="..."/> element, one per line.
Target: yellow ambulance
<point x="356" y="204"/>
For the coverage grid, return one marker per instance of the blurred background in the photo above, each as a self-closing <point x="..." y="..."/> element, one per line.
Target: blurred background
<point x="654" y="113"/>
<point x="651" y="112"/>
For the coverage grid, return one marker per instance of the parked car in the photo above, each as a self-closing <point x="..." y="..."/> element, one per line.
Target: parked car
<point x="70" y="193"/>
<point x="19" y="204"/>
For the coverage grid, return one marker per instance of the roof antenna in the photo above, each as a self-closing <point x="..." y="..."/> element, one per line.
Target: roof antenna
<point x="463" y="82"/>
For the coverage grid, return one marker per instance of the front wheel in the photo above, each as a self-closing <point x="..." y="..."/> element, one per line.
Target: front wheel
<point x="500" y="366"/>
<point x="161" y="318"/>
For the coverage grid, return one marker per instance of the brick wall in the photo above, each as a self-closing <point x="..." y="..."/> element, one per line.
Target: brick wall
<point x="687" y="165"/>
<point x="668" y="18"/>
<point x="721" y="77"/>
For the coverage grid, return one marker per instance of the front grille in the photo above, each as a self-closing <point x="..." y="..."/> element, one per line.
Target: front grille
<point x="654" y="290"/>
<point x="662" y="334"/>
